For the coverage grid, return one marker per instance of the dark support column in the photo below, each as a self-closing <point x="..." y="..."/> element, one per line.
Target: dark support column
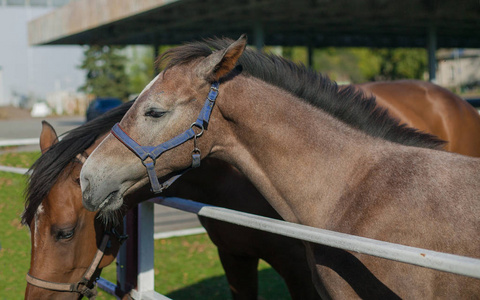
<point x="259" y="35"/>
<point x="310" y="50"/>
<point x="432" y="48"/>
<point x="127" y="259"/>
<point x="156" y="53"/>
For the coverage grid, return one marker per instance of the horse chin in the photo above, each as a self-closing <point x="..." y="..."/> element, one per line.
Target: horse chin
<point x="110" y="209"/>
<point x="113" y="206"/>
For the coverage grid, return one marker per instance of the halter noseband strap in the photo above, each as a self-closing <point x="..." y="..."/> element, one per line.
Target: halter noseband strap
<point x="149" y="154"/>
<point x="80" y="286"/>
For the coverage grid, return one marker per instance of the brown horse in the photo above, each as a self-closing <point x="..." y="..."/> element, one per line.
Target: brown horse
<point x="430" y="108"/>
<point x="346" y="167"/>
<point x="64" y="235"/>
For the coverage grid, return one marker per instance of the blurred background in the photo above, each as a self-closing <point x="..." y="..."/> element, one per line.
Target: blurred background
<point x="56" y="56"/>
<point x="67" y="61"/>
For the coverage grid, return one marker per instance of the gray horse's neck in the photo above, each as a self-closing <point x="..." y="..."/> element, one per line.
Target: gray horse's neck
<point x="294" y="153"/>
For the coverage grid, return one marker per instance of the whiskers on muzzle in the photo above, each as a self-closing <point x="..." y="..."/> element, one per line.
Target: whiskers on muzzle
<point x="112" y="218"/>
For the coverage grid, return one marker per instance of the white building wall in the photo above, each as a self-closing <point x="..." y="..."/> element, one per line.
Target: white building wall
<point x="33" y="71"/>
<point x="457" y="70"/>
<point x="2" y="94"/>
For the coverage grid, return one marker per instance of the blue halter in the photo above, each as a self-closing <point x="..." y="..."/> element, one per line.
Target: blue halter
<point x="149" y="154"/>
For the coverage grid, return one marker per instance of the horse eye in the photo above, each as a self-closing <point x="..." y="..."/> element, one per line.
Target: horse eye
<point x="154" y="113"/>
<point x="64" y="235"/>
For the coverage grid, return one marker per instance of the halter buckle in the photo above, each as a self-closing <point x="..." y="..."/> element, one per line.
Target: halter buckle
<point x="120" y="237"/>
<point x="82" y="288"/>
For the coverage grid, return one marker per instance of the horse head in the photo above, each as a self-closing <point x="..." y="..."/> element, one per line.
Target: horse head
<point x="70" y="245"/>
<point x="162" y="115"/>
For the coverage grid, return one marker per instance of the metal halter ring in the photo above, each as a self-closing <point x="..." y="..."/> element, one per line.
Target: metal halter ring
<point x="199" y="126"/>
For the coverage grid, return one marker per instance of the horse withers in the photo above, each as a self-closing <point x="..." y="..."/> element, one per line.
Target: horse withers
<point x="346" y="167"/>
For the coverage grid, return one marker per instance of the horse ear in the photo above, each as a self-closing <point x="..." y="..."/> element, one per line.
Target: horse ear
<point x="48" y="137"/>
<point x="221" y="62"/>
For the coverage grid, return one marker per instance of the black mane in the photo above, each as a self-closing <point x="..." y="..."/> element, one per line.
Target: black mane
<point x="347" y="104"/>
<point x="47" y="169"/>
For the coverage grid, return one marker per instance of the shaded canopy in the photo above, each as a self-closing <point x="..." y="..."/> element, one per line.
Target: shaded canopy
<point x="372" y="23"/>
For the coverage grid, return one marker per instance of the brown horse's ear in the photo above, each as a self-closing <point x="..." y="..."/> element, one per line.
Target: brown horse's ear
<point x="48" y="137"/>
<point x="221" y="62"/>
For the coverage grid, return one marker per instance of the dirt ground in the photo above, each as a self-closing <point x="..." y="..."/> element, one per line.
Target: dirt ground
<point x="10" y="112"/>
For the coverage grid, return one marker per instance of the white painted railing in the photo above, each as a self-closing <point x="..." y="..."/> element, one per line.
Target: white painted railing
<point x="420" y="257"/>
<point x="14" y="170"/>
<point x="19" y="142"/>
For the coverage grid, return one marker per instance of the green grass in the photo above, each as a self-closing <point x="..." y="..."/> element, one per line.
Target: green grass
<point x="19" y="160"/>
<point x="14" y="238"/>
<point x="189" y="268"/>
<point x="185" y="267"/>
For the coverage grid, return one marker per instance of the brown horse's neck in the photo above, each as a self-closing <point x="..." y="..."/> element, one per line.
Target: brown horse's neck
<point x="304" y="144"/>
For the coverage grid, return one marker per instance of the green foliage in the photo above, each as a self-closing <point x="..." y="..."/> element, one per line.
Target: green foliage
<point x="400" y="63"/>
<point x="356" y="65"/>
<point x="340" y="64"/>
<point x="296" y="54"/>
<point x="106" y="75"/>
<point x="140" y="69"/>
<point x="367" y="62"/>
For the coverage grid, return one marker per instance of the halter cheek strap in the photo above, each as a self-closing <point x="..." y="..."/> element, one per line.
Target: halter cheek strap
<point x="149" y="154"/>
<point x="80" y="286"/>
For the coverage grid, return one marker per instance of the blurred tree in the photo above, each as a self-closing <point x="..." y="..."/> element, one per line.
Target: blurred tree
<point x="296" y="54"/>
<point x="401" y="63"/>
<point x="356" y="65"/>
<point x="346" y="65"/>
<point x="140" y="69"/>
<point x="106" y="75"/>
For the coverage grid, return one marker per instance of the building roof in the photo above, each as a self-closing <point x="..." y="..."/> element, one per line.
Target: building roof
<point x="379" y="23"/>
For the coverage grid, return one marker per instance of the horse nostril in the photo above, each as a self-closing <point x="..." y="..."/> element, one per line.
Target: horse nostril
<point x="84" y="184"/>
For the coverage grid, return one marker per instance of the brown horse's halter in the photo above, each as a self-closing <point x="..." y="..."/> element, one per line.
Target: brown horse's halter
<point x="81" y="286"/>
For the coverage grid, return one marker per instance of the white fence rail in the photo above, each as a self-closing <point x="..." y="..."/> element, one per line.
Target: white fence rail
<point x="421" y="257"/>
<point x="19" y="142"/>
<point x="13" y="170"/>
<point x="416" y="256"/>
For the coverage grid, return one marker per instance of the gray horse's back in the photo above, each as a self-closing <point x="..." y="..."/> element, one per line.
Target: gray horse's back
<point x="415" y="197"/>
